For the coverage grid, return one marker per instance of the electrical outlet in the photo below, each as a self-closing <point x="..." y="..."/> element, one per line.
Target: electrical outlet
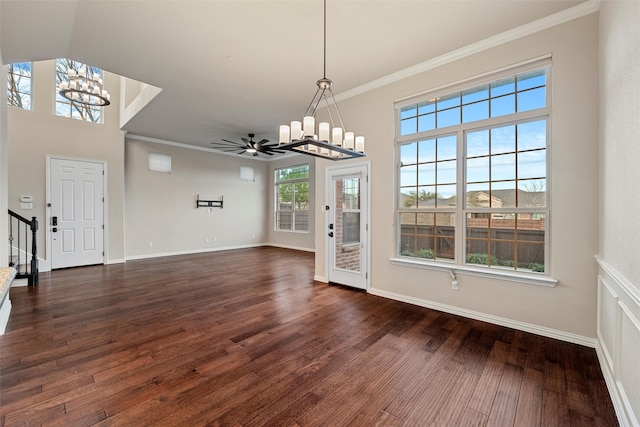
<point x="215" y="239"/>
<point x="206" y="240"/>
<point x="454" y="280"/>
<point x="150" y="244"/>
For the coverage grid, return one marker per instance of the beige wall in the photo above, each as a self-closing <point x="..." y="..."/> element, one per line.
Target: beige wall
<point x="34" y="135"/>
<point x="290" y="239"/>
<point x="4" y="173"/>
<point x="161" y="207"/>
<point x="620" y="137"/>
<point x="619" y="251"/>
<point x="570" y="306"/>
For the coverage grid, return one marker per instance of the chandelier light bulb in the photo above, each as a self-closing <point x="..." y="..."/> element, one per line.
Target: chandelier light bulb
<point x="308" y="126"/>
<point x="296" y="130"/>
<point x="323" y="131"/>
<point x="285" y="135"/>
<point x="349" y="140"/>
<point x="336" y="137"/>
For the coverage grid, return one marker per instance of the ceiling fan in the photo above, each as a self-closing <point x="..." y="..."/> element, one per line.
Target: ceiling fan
<point x="248" y="146"/>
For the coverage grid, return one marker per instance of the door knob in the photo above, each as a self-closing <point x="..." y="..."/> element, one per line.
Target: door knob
<point x="330" y="226"/>
<point x="331" y="234"/>
<point x="54" y="229"/>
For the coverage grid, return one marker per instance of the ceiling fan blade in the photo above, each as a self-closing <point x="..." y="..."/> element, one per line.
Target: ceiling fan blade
<point x="263" y="142"/>
<point x="255" y="154"/>
<point x="233" y="142"/>
<point x="245" y="140"/>
<point x="234" y="150"/>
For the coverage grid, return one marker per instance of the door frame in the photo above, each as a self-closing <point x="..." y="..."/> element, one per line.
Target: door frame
<point x="366" y="253"/>
<point x="47" y="206"/>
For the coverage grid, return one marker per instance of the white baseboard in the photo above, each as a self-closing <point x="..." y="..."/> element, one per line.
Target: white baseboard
<point x="616" y="398"/>
<point x="43" y="265"/>
<point x="509" y="323"/>
<point x="296" y="248"/>
<point x="321" y="279"/>
<point x="115" y="261"/>
<point x="192" y="251"/>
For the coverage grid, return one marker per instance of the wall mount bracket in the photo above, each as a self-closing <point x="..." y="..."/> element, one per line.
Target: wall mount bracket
<point x="209" y="203"/>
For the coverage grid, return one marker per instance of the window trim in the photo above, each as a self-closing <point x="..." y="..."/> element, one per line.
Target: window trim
<point x="489" y="273"/>
<point x="461" y="130"/>
<point x="30" y="77"/>
<point x="276" y="184"/>
<point x="477" y="80"/>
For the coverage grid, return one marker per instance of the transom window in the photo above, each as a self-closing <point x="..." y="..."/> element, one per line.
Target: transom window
<point x="510" y="95"/>
<point x="19" y="85"/>
<point x="292" y="198"/>
<point x="487" y="143"/>
<point x="72" y="109"/>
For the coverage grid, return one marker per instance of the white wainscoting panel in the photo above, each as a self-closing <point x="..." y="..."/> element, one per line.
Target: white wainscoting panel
<point x="607" y="321"/>
<point x="619" y="341"/>
<point x="629" y="376"/>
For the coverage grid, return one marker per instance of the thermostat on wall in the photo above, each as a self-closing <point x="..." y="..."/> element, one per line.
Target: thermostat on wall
<point x="26" y="199"/>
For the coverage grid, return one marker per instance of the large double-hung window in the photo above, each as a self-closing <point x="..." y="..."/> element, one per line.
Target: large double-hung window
<point x="473" y="173"/>
<point x="292" y="198"/>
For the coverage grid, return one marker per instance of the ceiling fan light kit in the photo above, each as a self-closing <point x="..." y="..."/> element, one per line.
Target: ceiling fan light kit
<point x="329" y="141"/>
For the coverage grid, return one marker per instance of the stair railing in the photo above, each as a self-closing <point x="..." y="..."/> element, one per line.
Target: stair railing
<point x="22" y="234"/>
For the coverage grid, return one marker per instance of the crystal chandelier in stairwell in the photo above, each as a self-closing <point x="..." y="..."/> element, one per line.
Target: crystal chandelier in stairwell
<point x="329" y="140"/>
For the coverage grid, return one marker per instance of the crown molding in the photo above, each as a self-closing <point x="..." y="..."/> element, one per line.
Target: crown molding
<point x="575" y="12"/>
<point x="205" y="149"/>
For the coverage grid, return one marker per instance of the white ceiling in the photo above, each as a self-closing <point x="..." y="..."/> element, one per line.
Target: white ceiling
<point x="232" y="67"/>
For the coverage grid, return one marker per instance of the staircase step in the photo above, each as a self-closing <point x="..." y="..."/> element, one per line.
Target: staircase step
<point x="19" y="283"/>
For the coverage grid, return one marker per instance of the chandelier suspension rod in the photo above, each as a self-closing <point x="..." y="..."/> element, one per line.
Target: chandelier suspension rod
<point x="327" y="140"/>
<point x="316" y="100"/>
<point x="324" y="47"/>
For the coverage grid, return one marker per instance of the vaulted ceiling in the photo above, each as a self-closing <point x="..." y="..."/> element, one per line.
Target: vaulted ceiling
<point x="230" y="67"/>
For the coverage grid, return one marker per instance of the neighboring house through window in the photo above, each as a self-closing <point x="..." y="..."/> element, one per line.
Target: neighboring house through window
<point x="292" y="198"/>
<point x="472" y="173"/>
<point x="19" y="85"/>
<point x="68" y="108"/>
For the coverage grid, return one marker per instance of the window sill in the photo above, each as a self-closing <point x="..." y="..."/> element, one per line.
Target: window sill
<point x="530" y="279"/>
<point x="292" y="231"/>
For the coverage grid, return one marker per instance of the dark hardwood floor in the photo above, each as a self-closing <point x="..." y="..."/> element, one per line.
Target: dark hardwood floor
<point x="246" y="338"/>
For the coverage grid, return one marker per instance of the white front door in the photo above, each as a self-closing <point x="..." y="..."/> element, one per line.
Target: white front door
<point x="347" y="226"/>
<point x="76" y="215"/>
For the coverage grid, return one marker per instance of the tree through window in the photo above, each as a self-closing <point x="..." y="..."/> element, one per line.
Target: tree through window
<point x="19" y="85"/>
<point x="292" y="198"/>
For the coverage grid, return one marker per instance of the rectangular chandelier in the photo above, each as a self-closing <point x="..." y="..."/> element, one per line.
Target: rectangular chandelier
<point x="302" y="137"/>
